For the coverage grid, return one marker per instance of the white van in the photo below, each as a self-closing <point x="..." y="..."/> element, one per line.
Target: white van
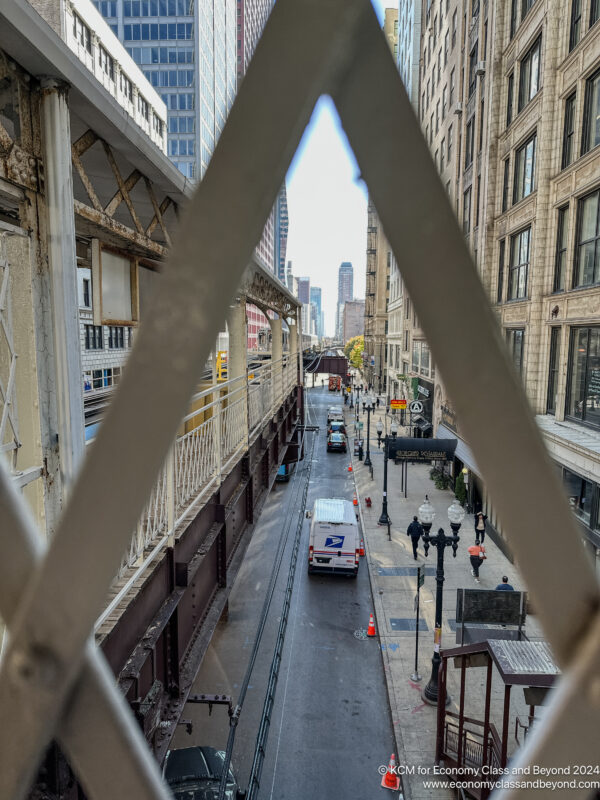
<point x="334" y="544"/>
<point x="335" y="413"/>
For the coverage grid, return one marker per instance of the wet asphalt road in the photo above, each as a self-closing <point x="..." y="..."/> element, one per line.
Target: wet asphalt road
<point x="330" y="727"/>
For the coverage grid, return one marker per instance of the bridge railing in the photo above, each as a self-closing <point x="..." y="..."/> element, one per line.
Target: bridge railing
<point x="224" y="419"/>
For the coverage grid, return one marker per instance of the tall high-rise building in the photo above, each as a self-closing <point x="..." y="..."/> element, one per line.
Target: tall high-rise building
<point x="409" y="46"/>
<point x="188" y="51"/>
<point x="345" y="292"/>
<point x="289" y="278"/>
<point x="316" y="300"/>
<point x="252" y="17"/>
<point x="303" y="290"/>
<point x="281" y="233"/>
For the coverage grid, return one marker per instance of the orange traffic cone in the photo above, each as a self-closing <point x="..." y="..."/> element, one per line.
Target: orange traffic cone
<point x="349" y="467"/>
<point x="355" y="500"/>
<point x="390" y="780"/>
<point x="361" y="552"/>
<point x="371" y="628"/>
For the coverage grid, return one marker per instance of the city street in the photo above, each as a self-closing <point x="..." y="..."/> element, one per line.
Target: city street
<point x="331" y="725"/>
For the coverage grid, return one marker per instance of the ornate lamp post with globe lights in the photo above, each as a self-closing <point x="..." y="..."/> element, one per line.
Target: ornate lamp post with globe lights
<point x="369" y="405"/>
<point x="426" y="513"/>
<point x="384" y="518"/>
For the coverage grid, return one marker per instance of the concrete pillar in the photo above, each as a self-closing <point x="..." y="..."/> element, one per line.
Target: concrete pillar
<point x="56" y="130"/>
<point x="276" y="357"/>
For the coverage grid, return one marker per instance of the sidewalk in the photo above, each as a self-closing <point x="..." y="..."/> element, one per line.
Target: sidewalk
<point x="394" y="588"/>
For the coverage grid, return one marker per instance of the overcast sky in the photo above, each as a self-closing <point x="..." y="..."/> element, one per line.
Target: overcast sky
<point x="327" y="205"/>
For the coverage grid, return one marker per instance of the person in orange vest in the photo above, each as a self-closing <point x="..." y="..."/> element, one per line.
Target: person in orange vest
<point x="477" y="556"/>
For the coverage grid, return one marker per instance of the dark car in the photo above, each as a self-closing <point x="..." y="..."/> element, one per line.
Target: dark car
<point x="336" y="441"/>
<point x="337" y="427"/>
<point x="194" y="773"/>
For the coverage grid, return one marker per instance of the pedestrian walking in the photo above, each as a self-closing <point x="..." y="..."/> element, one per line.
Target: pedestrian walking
<point x="415" y="531"/>
<point x="505" y="585"/>
<point x="480" y="519"/>
<point x="477" y="557"/>
<point x="377" y="401"/>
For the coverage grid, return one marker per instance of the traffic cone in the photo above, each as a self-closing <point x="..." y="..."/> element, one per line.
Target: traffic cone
<point x="349" y="467"/>
<point x="355" y="500"/>
<point x="371" y="628"/>
<point x="390" y="780"/>
<point x="361" y="552"/>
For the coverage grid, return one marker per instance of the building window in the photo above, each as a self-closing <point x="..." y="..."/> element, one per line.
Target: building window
<point x="505" y="182"/>
<point x="415" y="356"/>
<point x="514" y="11"/>
<point x="86" y="293"/>
<point x="116" y="338"/>
<point x="446" y="45"/>
<point x="509" y="98"/>
<point x="515" y="339"/>
<point x="560" y="261"/>
<point x="525" y="6"/>
<point x="529" y="75"/>
<point x="82" y="33"/>
<point x="444" y="101"/>
<point x="472" y="70"/>
<point x="93" y="337"/>
<point x="454" y="21"/>
<point x="449" y="143"/>
<point x="452" y="85"/>
<point x="575" y="32"/>
<point x="587" y="257"/>
<point x="106" y="62"/>
<point x="519" y="264"/>
<point x="579" y="491"/>
<point x="553" y="370"/>
<point x="481" y="114"/>
<point x="500" y="287"/>
<point x="467" y="211"/>
<point x="524" y="183"/>
<point x="591" y="114"/>
<point x="594" y="12"/>
<point x="442" y="154"/>
<point x="469" y="136"/>
<point x="583" y="377"/>
<point x="437" y="116"/>
<point x="143" y="107"/>
<point x="568" y="132"/>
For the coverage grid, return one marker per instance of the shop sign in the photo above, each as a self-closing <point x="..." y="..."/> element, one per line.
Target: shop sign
<point x="398" y="403"/>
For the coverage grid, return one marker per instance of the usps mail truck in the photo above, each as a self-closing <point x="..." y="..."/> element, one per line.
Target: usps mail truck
<point x="334" y="544"/>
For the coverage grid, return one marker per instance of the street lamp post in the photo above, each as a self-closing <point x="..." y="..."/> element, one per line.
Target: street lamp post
<point x="426" y="516"/>
<point x="369" y="405"/>
<point x="379" y="428"/>
<point x="384" y="518"/>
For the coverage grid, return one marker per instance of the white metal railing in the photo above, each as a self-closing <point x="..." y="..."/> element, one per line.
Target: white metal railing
<point x="236" y="408"/>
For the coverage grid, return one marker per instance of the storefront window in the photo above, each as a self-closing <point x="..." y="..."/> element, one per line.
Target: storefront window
<point x="584" y="376"/>
<point x="579" y="492"/>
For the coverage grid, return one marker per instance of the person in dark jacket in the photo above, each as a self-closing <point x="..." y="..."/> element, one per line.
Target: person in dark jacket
<point x="505" y="585"/>
<point x="415" y="531"/>
<point x="480" y="519"/>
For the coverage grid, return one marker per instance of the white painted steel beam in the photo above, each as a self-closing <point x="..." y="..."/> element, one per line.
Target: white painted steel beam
<point x="62" y="261"/>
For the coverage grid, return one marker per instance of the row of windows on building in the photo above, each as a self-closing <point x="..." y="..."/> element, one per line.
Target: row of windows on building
<point x="162" y="55"/>
<point x="179" y="101"/>
<point x="106" y="64"/>
<point x="154" y="31"/>
<point x="118" y="337"/>
<point x="108" y="8"/>
<point x="170" y="77"/>
<point x="158" y="8"/>
<point x="586" y="252"/>
<point x="582" y="389"/>
<point x="182" y="147"/>
<point x="442" y="55"/>
<point x="95" y="379"/>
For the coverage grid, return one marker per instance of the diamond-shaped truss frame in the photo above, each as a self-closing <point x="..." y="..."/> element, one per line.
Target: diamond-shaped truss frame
<point x="53" y="681"/>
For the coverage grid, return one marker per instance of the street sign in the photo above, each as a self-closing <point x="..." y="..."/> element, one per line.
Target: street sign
<point x="360" y="425"/>
<point x="398" y="403"/>
<point x="416" y="407"/>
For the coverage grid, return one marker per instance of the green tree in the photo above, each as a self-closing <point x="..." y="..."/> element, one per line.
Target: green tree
<point x="356" y="358"/>
<point x="460" y="490"/>
<point x="349" y="346"/>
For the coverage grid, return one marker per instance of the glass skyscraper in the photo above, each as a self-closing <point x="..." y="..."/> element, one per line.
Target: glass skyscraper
<point x="187" y="49"/>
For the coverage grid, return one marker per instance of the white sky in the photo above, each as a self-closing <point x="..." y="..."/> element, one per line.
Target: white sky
<point x="327" y="205"/>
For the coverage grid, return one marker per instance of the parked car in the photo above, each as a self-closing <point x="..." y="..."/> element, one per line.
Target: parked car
<point x="335" y="413"/>
<point x="194" y="773"/>
<point x="335" y="426"/>
<point x="336" y="442"/>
